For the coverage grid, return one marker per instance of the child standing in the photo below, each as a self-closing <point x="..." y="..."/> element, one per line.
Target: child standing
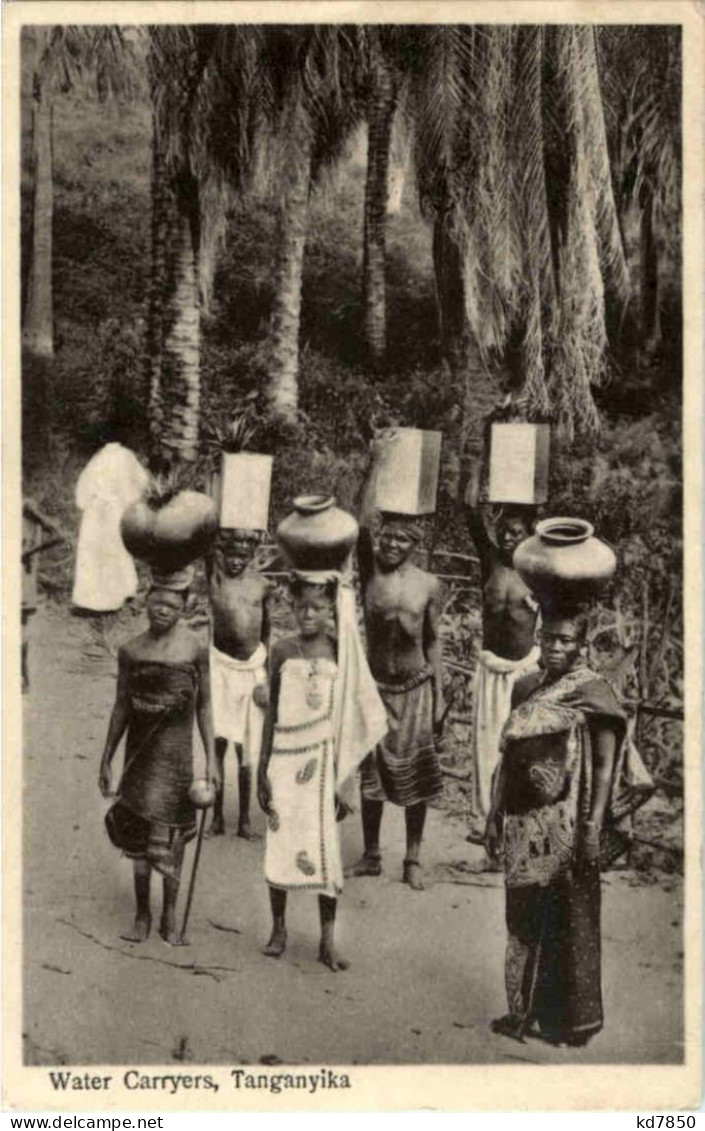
<point x="324" y="714"/>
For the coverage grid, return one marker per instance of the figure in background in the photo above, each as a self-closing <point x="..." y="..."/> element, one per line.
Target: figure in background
<point x="401" y="608"/>
<point x="566" y="777"/>
<point x="38" y="533"/>
<point x="324" y="714"/>
<point x="105" y="574"/>
<point x="239" y="597"/>
<point x="509" y="650"/>
<point x="163" y="682"/>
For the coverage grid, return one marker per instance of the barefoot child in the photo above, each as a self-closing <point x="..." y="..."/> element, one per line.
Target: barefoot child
<point x="239" y="601"/>
<point x="162" y="683"/>
<point x="324" y="714"/>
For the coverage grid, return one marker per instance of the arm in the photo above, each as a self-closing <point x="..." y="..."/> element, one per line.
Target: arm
<point x="204" y="714"/>
<point x="432" y="650"/>
<point x="264" y="789"/>
<point x="476" y="525"/>
<point x="117" y="726"/>
<point x="603" y="741"/>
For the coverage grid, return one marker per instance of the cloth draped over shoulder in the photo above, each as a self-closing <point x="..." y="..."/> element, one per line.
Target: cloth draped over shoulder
<point x="105" y="573"/>
<point x="553" y="964"/>
<point x="154" y="816"/>
<point x="361" y="719"/>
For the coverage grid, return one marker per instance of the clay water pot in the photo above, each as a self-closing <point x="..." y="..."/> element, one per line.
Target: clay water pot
<point x="317" y="534"/>
<point x="563" y="561"/>
<point x="201" y="793"/>
<point x="171" y="536"/>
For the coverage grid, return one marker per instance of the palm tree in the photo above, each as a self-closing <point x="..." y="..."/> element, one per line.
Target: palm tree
<point x="312" y="105"/>
<point x="383" y="78"/>
<point x="59" y="58"/>
<point x="641" y="73"/>
<point x="513" y="169"/>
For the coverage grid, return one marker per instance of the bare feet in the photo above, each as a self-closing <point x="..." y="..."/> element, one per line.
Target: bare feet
<point x="168" y="931"/>
<point x="217" y="827"/>
<point x="477" y="867"/>
<point x="139" y="931"/>
<point x="328" y="956"/>
<point x="277" y="944"/>
<point x="412" y="875"/>
<point x="367" y="865"/>
<point x="246" y="833"/>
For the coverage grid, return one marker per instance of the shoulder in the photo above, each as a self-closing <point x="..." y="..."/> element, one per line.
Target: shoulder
<point x="130" y="650"/>
<point x="425" y="580"/>
<point x="283" y="650"/>
<point x="524" y="686"/>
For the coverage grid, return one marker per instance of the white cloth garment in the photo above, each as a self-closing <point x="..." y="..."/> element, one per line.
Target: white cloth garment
<point x="303" y="846"/>
<point x="236" y="716"/>
<point x="492" y="699"/>
<point x="105" y="573"/>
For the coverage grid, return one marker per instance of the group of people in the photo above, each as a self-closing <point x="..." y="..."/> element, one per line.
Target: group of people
<point x="315" y="712"/>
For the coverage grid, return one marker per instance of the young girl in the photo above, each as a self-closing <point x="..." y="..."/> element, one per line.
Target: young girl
<point x="324" y="715"/>
<point x="163" y="682"/>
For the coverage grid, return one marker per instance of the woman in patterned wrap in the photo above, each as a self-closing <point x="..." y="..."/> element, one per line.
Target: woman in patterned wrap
<point x="163" y="682"/>
<point x="567" y="774"/>
<point x="324" y="714"/>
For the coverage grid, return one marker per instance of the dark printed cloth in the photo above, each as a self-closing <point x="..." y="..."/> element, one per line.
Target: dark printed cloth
<point x="404" y="768"/>
<point x="154" y="817"/>
<point x="552" y="968"/>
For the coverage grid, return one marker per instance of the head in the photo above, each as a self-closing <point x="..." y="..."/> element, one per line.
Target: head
<point x="563" y="639"/>
<point x="165" y="607"/>
<point x="397" y="538"/>
<point x="314" y="606"/>
<point x="513" y="528"/>
<point x="236" y="549"/>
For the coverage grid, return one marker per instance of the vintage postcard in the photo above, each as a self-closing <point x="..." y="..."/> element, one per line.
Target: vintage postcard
<point x="352" y="581"/>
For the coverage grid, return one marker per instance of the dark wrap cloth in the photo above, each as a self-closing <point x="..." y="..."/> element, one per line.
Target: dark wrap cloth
<point x="154" y="817"/>
<point x="404" y="767"/>
<point x="553" y="962"/>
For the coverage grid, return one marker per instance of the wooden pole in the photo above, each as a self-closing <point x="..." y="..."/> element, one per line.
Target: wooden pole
<point x="192" y="882"/>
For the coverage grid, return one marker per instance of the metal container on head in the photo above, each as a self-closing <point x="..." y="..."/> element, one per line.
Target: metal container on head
<point x="408" y="463"/>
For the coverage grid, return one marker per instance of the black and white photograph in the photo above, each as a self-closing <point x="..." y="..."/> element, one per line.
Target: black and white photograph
<point x="352" y="679"/>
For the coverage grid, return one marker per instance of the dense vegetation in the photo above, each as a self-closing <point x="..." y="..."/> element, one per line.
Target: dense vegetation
<point x="626" y="478"/>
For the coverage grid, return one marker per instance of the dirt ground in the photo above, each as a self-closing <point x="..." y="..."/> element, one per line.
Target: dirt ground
<point x="426" y="968"/>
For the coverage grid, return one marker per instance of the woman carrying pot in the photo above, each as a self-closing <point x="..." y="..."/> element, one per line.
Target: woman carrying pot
<point x="567" y="774"/>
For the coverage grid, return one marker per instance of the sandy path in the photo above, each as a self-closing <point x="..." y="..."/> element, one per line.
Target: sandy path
<point x="426" y="974"/>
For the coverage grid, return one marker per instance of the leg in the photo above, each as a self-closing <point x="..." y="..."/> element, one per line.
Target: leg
<point x="327" y="906"/>
<point x="370" y="863"/>
<point x="167" y="927"/>
<point x="244" y="782"/>
<point x="25" y="667"/>
<point x="277" y="942"/>
<point x="217" y="824"/>
<point x="143" y="918"/>
<point x="415" y="819"/>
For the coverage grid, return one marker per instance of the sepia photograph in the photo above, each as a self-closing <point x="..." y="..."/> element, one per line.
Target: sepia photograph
<point x="352" y="673"/>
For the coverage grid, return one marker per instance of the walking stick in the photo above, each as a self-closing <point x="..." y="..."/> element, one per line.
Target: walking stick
<point x="192" y="882"/>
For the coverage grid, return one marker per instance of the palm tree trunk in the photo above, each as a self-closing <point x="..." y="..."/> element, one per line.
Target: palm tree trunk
<point x="181" y="328"/>
<point x="38" y="331"/>
<point x="155" y="301"/>
<point x="381" y="104"/>
<point x="286" y="313"/>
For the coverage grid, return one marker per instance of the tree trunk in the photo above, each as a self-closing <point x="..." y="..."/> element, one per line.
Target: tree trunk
<point x="180" y="386"/>
<point x="650" y="282"/>
<point x="400" y="155"/>
<point x="380" y="114"/>
<point x="155" y="300"/>
<point x="286" y="314"/>
<point x="38" y="331"/>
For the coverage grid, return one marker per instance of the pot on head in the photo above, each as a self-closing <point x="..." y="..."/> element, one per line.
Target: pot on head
<point x="563" y="563"/>
<point x="317" y="534"/>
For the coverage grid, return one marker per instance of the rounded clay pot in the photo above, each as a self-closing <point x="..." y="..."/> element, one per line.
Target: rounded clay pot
<point x="172" y="536"/>
<point x="201" y="793"/>
<point x="564" y="561"/>
<point x="317" y="534"/>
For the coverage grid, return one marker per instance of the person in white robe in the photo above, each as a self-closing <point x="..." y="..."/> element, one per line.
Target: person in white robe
<point x="105" y="575"/>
